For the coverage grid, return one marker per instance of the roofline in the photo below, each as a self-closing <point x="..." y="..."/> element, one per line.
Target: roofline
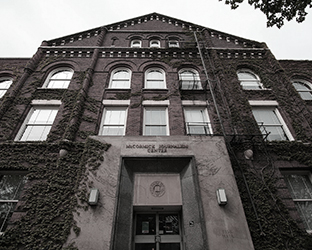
<point x="108" y="26"/>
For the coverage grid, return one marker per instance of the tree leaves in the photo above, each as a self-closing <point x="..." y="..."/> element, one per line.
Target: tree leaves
<point x="277" y="11"/>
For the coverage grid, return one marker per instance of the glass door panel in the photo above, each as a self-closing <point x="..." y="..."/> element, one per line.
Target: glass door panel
<point x="157" y="232"/>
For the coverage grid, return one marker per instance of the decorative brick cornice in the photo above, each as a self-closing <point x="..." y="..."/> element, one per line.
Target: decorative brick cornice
<point x="114" y="52"/>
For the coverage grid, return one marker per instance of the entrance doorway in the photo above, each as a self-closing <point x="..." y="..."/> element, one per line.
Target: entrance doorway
<point x="157" y="231"/>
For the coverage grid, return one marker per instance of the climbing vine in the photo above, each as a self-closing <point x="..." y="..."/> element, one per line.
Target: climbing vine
<point x="50" y="196"/>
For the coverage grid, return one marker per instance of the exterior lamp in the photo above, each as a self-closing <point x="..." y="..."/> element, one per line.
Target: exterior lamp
<point x="221" y="196"/>
<point x="93" y="196"/>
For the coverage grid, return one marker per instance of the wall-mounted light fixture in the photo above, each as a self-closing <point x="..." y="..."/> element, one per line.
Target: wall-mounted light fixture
<point x="221" y="196"/>
<point x="248" y="154"/>
<point x="93" y="196"/>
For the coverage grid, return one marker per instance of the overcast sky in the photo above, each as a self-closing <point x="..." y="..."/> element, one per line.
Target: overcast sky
<point x="26" y="23"/>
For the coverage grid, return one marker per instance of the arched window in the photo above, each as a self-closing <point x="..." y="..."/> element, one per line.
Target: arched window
<point x="120" y="78"/>
<point x="248" y="79"/>
<point x="155" y="79"/>
<point x="189" y="79"/>
<point x="5" y="83"/>
<point x="136" y="43"/>
<point x="59" y="78"/>
<point x="173" y="43"/>
<point x="154" y="44"/>
<point x="304" y="89"/>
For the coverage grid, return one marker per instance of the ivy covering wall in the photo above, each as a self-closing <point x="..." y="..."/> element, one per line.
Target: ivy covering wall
<point x="52" y="192"/>
<point x="268" y="218"/>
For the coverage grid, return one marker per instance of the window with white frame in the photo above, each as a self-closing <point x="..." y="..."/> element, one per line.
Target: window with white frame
<point x="197" y="121"/>
<point x="249" y="80"/>
<point x="304" y="89"/>
<point x="5" y="83"/>
<point x="120" y="78"/>
<point x="300" y="187"/>
<point x="114" y="121"/>
<point x="11" y="186"/>
<point x="154" y="44"/>
<point x="173" y="44"/>
<point x="59" y="78"/>
<point x="136" y="43"/>
<point x="271" y="123"/>
<point x="155" y="121"/>
<point x="189" y="79"/>
<point x="155" y="79"/>
<point x="38" y="123"/>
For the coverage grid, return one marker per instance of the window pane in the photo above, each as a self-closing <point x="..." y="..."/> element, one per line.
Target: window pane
<point x="36" y="133"/>
<point x="305" y="95"/>
<point x="155" y="116"/>
<point x="6" y="210"/>
<point x="190" y="80"/>
<point x="60" y="79"/>
<point x="136" y="43"/>
<point x="43" y="116"/>
<point x="63" y="74"/>
<point x="188" y="75"/>
<point x="115" y="117"/>
<point x="2" y="92"/>
<point x="173" y="43"/>
<point x="269" y="122"/>
<point x="155" y="79"/>
<point x="197" y="121"/>
<point x="195" y="115"/>
<point x="5" y="83"/>
<point x="155" y="43"/>
<point x="155" y="130"/>
<point x="267" y="116"/>
<point x="250" y="85"/>
<point x="300" y="186"/>
<point x="168" y="224"/>
<point x="246" y="76"/>
<point x="11" y="186"/>
<point x="60" y="84"/>
<point x="10" y="189"/>
<point x="305" y="209"/>
<point x="114" y="121"/>
<point x="146" y="224"/>
<point x="155" y="84"/>
<point x="301" y="86"/>
<point x="249" y="80"/>
<point x="113" y="130"/>
<point x="120" y="84"/>
<point x="121" y="79"/>
<point x="121" y="74"/>
<point x="303" y="90"/>
<point x="276" y="133"/>
<point x="155" y="75"/>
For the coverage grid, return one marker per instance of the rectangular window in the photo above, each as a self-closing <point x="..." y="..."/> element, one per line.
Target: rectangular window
<point x="114" y="121"/>
<point x="38" y="123"/>
<point x="271" y="123"/>
<point x="156" y="121"/>
<point x="300" y="188"/>
<point x="11" y="186"/>
<point x="197" y="121"/>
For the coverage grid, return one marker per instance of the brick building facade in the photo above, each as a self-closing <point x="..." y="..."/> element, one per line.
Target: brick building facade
<point x="155" y="133"/>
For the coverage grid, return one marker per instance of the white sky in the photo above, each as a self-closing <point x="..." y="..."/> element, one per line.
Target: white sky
<point x="26" y="23"/>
